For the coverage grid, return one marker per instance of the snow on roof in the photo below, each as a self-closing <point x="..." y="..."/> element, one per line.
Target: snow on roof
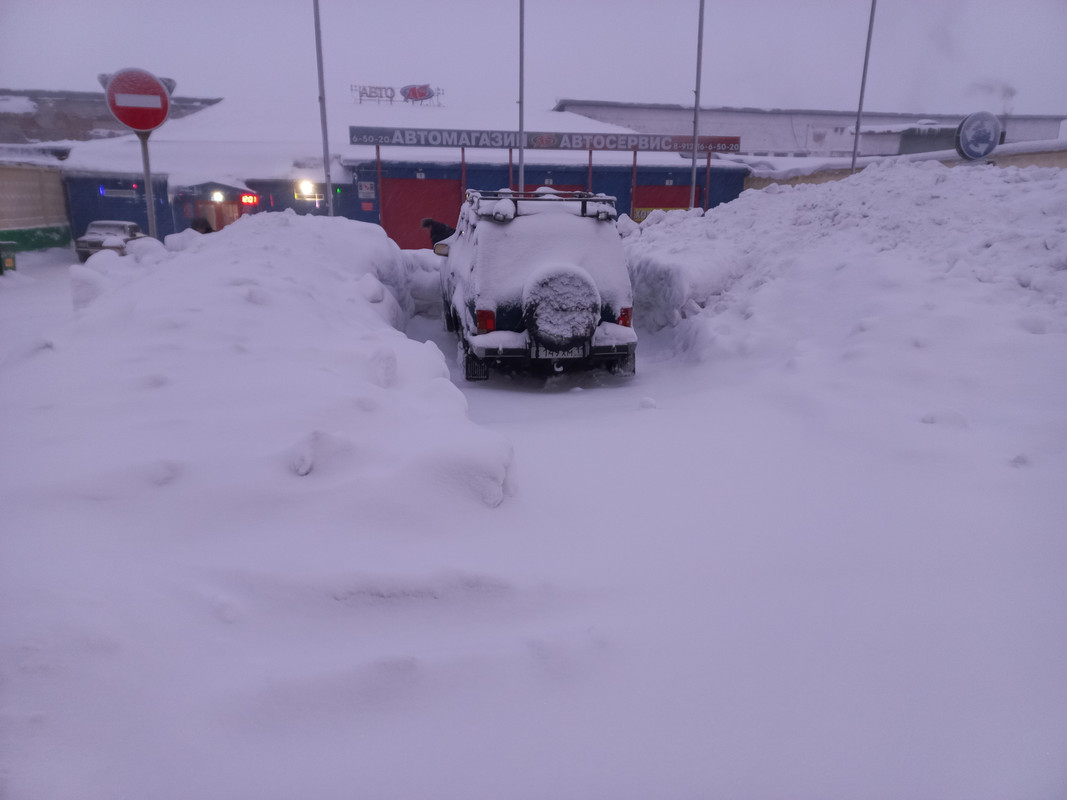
<point x="785" y="167"/>
<point x="16" y="104"/>
<point x="925" y="125"/>
<point x="47" y="155"/>
<point x="571" y="102"/>
<point x="236" y="141"/>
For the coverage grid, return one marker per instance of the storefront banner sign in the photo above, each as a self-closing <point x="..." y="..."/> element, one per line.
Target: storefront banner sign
<point x="440" y="137"/>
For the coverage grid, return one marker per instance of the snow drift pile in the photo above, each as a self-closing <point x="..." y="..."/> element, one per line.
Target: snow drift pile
<point x="904" y="289"/>
<point x="972" y="223"/>
<point x="218" y="330"/>
<point x="253" y="547"/>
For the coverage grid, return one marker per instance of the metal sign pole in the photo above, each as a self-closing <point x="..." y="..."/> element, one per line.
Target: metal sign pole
<point x="381" y="186"/>
<point x="140" y="101"/>
<point x="149" y="194"/>
<point x="633" y="187"/>
<point x="696" y="106"/>
<point x="707" y="183"/>
<point x="863" y="86"/>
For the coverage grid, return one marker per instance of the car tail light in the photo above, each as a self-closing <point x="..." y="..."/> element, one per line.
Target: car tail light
<point x="486" y="320"/>
<point x="626" y="317"/>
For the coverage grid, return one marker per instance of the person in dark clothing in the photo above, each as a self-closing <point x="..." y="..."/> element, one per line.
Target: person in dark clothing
<point x="438" y="230"/>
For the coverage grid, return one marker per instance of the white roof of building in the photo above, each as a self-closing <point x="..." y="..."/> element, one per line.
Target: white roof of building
<point x="232" y="142"/>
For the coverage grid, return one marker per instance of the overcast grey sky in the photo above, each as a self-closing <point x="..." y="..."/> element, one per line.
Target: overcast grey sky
<point x="927" y="55"/>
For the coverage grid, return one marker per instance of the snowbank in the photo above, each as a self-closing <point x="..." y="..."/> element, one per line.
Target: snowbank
<point x="253" y="547"/>
<point x="924" y="276"/>
<point x="226" y="405"/>
<point x="276" y="340"/>
<point x="938" y="224"/>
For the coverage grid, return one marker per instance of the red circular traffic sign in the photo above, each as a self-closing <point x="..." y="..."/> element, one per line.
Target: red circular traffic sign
<point x="138" y="99"/>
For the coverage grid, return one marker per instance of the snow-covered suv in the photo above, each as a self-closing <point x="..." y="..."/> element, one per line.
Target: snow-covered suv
<point x="538" y="279"/>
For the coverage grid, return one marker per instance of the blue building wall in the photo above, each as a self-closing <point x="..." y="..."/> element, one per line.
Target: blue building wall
<point x="95" y="197"/>
<point x="726" y="182"/>
<point x="92" y="197"/>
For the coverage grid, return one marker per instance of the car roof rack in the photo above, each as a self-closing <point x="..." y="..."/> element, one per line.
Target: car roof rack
<point x="544" y="193"/>
<point x="483" y="202"/>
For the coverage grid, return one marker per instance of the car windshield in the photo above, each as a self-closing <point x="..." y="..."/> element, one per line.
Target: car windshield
<point x="110" y="228"/>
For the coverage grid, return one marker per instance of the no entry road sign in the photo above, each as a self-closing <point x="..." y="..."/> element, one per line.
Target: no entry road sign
<point x="138" y="99"/>
<point x="141" y="101"/>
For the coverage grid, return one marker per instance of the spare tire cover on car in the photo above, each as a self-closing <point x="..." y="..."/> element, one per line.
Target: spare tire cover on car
<point x="560" y="307"/>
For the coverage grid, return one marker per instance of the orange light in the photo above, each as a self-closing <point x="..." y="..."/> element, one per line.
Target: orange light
<point x="485" y="320"/>
<point x="250" y="199"/>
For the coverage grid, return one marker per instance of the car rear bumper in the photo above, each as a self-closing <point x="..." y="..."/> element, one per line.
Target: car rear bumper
<point x="86" y="250"/>
<point x="610" y="344"/>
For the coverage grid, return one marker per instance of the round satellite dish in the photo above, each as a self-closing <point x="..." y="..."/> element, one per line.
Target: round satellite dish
<point x="978" y="135"/>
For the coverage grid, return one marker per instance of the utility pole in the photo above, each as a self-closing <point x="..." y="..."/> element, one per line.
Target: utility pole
<point x="696" y="106"/>
<point x="863" y="86"/>
<point x="322" y="112"/>
<point x="522" y="77"/>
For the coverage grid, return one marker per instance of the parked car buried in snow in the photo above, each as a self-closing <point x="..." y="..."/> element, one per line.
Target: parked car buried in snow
<point x="538" y="279"/>
<point x="106" y="234"/>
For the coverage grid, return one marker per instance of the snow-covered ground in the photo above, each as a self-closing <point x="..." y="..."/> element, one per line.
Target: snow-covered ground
<point x="256" y="544"/>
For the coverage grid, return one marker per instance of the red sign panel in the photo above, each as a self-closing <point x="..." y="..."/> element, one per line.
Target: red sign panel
<point x="417" y="93"/>
<point x="138" y="99"/>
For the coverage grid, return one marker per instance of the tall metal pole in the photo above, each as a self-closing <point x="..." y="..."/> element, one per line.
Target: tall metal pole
<point x="149" y="193"/>
<point x="863" y="87"/>
<point x="322" y="112"/>
<point x="522" y="79"/>
<point x="696" y="106"/>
